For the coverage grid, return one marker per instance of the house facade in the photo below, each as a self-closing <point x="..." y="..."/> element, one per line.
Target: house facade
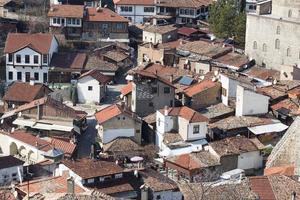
<point x="92" y="87"/>
<point x="159" y="34"/>
<point x="104" y="24"/>
<point x="137" y="11"/>
<point x="66" y="19"/>
<point x="117" y="121"/>
<point x="150" y="93"/>
<point x="28" y="56"/>
<point x="11" y="170"/>
<point x="273" y="43"/>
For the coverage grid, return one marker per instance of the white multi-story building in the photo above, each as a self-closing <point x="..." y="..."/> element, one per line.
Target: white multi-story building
<point x="137" y="11"/>
<point x="28" y="56"/>
<point x="272" y="36"/>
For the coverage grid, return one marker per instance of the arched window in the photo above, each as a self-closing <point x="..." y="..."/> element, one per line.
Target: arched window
<point x="290" y="13"/>
<point x="278" y="30"/>
<point x="264" y="48"/>
<point x="288" y="52"/>
<point x="277" y="44"/>
<point x="254" y="45"/>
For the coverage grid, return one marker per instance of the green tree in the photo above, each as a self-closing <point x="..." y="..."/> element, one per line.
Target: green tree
<point x="227" y="21"/>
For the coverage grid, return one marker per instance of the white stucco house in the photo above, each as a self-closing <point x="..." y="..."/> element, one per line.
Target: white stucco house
<point x="250" y="103"/>
<point x="28" y="56"/>
<point x="180" y="130"/>
<point x="11" y="170"/>
<point x="92" y="87"/>
<point x="137" y="11"/>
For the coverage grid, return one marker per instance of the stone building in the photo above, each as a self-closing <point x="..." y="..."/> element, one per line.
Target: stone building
<point x="272" y="36"/>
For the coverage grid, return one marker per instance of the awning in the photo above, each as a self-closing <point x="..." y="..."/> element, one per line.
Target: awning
<point x="44" y="126"/>
<point x="269" y="128"/>
<point x="23" y="122"/>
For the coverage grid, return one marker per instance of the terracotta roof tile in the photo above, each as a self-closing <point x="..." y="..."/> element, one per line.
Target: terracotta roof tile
<point x="263" y="73"/>
<point x="199" y="87"/>
<point x="9" y="161"/>
<point x="160" y="29"/>
<point x="232" y="60"/>
<point x="283" y="170"/>
<point x="184" y="3"/>
<point x="134" y="2"/>
<point x="28" y="138"/>
<point x="24" y="92"/>
<point x="40" y="42"/>
<point x="116" y="55"/>
<point x="116" y="187"/>
<point x="262" y="187"/>
<point x="70" y="11"/>
<point x="104" y="15"/>
<point x="68" y="60"/>
<point x="235" y="145"/>
<point x="96" y="74"/>
<point x="67" y="147"/>
<point x="294" y="93"/>
<point x="56" y="184"/>
<point x="186" y="113"/>
<point x="122" y="144"/>
<point x="126" y="89"/>
<point x="290" y="105"/>
<point x="187" y="31"/>
<point x="89" y="168"/>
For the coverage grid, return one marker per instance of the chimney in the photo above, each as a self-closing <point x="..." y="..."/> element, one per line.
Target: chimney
<point x="32" y="81"/>
<point x="166" y="111"/>
<point x="144" y="192"/>
<point x="70" y="186"/>
<point x="171" y="78"/>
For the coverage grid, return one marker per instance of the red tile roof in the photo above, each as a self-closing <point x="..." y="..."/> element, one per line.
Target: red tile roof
<point x="29" y="139"/>
<point x="134" y="2"/>
<point x="104" y="15"/>
<point x="288" y="104"/>
<point x="187" y="161"/>
<point x="70" y="11"/>
<point x="232" y="60"/>
<point x="111" y="112"/>
<point x="199" y="87"/>
<point x="67" y="147"/>
<point x="262" y="187"/>
<point x="89" y="168"/>
<point x="294" y="93"/>
<point x="186" y="31"/>
<point x="56" y="184"/>
<point x="186" y="113"/>
<point x="24" y="92"/>
<point x="96" y="74"/>
<point x="40" y="42"/>
<point x="68" y="60"/>
<point x="126" y="89"/>
<point x="283" y="170"/>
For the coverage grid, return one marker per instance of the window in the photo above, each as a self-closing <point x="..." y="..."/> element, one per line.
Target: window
<point x="158" y="197"/>
<point x="290" y="13"/>
<point x="278" y="30"/>
<point x="14" y="174"/>
<point x="181" y="11"/>
<point x="192" y="12"/>
<point x="288" y="52"/>
<point x="154" y="90"/>
<point x="277" y="44"/>
<point x="149" y="9"/>
<point x="90" y="88"/>
<point x="150" y="104"/>
<point x="58" y="20"/>
<point x="36" y="59"/>
<point x="196" y="129"/>
<point x="166" y="90"/>
<point x="198" y="12"/>
<point x="78" y="21"/>
<point x="36" y="76"/>
<point x="254" y="45"/>
<point x="118" y="175"/>
<point x="119" y="26"/>
<point x="158" y="121"/>
<point x="104" y="26"/>
<point x="18" y="58"/>
<point x="45" y="77"/>
<point x="45" y="58"/>
<point x="73" y="21"/>
<point x="264" y="48"/>
<point x="69" y="21"/>
<point x="250" y="7"/>
<point x="171" y="103"/>
<point x="10" y="75"/>
<point x="126" y="8"/>
<point x="19" y="76"/>
<point x="224" y="92"/>
<point x="27" y="59"/>
<point x="186" y="11"/>
<point x="10" y="57"/>
<point x="54" y="21"/>
<point x="137" y="131"/>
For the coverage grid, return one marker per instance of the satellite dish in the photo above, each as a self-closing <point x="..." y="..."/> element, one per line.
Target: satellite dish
<point x="275" y="81"/>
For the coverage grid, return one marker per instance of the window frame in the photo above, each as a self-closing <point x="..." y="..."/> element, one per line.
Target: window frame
<point x="36" y="76"/>
<point x="90" y="88"/>
<point x="27" y="59"/>
<point x="196" y="129"/>
<point x="167" y="90"/>
<point x="18" y="58"/>
<point x="10" y="75"/>
<point x="36" y="59"/>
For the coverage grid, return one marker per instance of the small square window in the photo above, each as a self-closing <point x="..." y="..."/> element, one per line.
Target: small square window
<point x="166" y="90"/>
<point x="196" y="129"/>
<point x="90" y="88"/>
<point x="154" y="90"/>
